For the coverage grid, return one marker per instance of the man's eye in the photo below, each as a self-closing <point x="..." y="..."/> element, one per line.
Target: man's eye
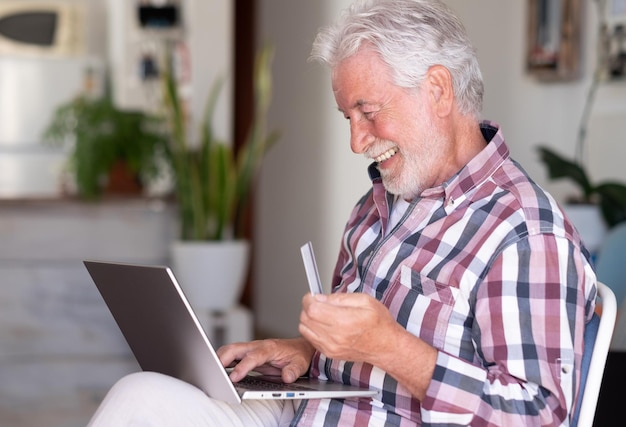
<point x="369" y="114"/>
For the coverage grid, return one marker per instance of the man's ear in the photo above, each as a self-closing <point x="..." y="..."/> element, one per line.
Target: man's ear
<point x="441" y="90"/>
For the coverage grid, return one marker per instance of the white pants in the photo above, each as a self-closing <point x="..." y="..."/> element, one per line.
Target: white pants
<point x="147" y="399"/>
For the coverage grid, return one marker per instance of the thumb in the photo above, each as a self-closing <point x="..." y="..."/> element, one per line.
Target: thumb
<point x="290" y="374"/>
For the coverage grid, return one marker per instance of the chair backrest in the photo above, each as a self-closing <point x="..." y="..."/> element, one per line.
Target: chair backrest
<point x="610" y="264"/>
<point x="598" y="333"/>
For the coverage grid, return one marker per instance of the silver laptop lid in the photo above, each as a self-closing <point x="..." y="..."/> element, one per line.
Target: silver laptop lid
<point x="165" y="336"/>
<point x="150" y="307"/>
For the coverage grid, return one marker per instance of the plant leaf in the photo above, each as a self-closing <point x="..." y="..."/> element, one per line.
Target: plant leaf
<point x="559" y="167"/>
<point x="612" y="202"/>
<point x="212" y="183"/>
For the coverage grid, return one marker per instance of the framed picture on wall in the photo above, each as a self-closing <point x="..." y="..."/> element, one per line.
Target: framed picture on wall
<point x="553" y="47"/>
<point x="615" y="39"/>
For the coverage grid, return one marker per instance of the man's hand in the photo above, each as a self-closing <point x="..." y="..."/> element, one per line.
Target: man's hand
<point x="352" y="327"/>
<point x="359" y="328"/>
<point x="289" y="358"/>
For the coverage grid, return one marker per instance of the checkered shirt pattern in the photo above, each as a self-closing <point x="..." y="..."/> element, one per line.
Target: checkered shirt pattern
<point x="486" y="269"/>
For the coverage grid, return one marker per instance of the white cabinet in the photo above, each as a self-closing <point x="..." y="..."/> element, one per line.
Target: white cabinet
<point x="60" y="349"/>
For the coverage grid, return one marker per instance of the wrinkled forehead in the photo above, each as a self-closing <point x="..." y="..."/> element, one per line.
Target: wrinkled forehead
<point x="364" y="66"/>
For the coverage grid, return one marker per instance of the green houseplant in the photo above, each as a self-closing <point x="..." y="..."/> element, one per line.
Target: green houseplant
<point x="102" y="137"/>
<point x="610" y="196"/>
<point x="212" y="178"/>
<point x="212" y="187"/>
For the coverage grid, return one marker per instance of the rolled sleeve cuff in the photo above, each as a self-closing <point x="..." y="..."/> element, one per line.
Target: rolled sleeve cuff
<point x="454" y="381"/>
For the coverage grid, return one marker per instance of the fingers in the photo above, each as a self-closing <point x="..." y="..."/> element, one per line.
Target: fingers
<point x="338" y="310"/>
<point x="242" y="357"/>
<point x="345" y="326"/>
<point x="232" y="353"/>
<point x="288" y="358"/>
<point x="356" y="300"/>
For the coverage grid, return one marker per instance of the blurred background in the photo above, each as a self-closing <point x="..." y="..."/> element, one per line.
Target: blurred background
<point x="59" y="348"/>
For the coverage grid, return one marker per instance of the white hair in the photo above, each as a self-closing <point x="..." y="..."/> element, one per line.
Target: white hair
<point x="410" y="36"/>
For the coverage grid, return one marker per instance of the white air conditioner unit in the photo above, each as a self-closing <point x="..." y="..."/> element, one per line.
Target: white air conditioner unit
<point x="42" y="28"/>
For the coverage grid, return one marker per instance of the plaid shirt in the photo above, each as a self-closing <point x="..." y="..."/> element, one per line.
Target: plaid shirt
<point x="484" y="268"/>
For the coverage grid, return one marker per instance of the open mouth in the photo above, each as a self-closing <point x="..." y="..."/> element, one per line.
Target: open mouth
<point x="386" y="155"/>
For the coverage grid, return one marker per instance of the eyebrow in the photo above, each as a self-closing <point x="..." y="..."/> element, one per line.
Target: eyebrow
<point x="358" y="103"/>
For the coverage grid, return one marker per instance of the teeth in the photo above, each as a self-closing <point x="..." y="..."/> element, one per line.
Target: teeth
<point x="386" y="155"/>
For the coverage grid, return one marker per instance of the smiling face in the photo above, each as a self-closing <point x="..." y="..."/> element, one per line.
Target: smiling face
<point x="398" y="128"/>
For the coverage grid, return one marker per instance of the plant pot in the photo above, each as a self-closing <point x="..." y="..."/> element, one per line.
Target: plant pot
<point x="121" y="180"/>
<point x="212" y="274"/>
<point x="589" y="222"/>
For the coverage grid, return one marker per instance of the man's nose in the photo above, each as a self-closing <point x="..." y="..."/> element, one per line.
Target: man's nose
<point x="360" y="136"/>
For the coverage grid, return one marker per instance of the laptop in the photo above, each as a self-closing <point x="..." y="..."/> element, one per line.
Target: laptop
<point x="165" y="336"/>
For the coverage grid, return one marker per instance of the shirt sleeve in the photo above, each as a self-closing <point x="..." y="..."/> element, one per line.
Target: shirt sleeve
<point x="529" y="315"/>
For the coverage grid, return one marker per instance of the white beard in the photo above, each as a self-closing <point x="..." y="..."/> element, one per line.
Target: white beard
<point x="418" y="167"/>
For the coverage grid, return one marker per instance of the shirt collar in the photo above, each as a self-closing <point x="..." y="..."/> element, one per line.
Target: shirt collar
<point x="479" y="168"/>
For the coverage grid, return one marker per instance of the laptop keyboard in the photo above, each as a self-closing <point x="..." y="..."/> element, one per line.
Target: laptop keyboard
<point x="251" y="383"/>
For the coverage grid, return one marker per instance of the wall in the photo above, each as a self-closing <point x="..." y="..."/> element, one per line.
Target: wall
<point x="311" y="179"/>
<point x="203" y="52"/>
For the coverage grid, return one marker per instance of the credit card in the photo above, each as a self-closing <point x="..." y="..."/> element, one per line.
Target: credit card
<point x="310" y="266"/>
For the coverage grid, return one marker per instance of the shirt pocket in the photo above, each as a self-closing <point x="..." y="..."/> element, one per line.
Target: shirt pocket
<point x="422" y="305"/>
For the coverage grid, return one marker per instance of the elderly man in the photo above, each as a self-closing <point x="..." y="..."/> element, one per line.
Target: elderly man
<point x="461" y="291"/>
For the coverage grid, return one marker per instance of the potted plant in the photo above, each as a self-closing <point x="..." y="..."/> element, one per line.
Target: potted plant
<point x="212" y="185"/>
<point x="610" y="196"/>
<point x="598" y="206"/>
<point x="106" y="143"/>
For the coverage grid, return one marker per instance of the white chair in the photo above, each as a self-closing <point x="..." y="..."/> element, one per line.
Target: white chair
<point x="598" y="334"/>
<point x="611" y="261"/>
<point x="611" y="269"/>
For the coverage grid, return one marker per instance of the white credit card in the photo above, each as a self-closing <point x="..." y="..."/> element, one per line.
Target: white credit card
<point x="310" y="266"/>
